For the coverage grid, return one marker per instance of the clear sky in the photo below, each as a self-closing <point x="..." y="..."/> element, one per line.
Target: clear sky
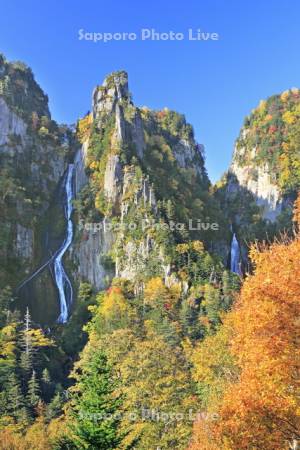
<point x="215" y="84"/>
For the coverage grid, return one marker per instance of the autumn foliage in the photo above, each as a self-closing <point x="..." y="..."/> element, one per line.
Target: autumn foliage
<point x="259" y="407"/>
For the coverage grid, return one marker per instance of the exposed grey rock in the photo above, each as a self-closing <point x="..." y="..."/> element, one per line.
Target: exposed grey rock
<point x="186" y="155"/>
<point x="137" y="132"/>
<point x="80" y="177"/>
<point x="24" y="242"/>
<point x="113" y="89"/>
<point x="258" y="180"/>
<point x="10" y="124"/>
<point x="57" y="165"/>
<point x="113" y="179"/>
<point x="35" y="164"/>
<point x="136" y="257"/>
<point x="120" y="131"/>
<point x="13" y="127"/>
<point x="90" y="255"/>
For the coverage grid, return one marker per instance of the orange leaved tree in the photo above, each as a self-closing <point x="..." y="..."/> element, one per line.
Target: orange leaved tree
<point x="259" y="408"/>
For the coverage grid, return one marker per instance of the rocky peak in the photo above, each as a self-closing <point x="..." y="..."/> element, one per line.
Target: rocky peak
<point x="113" y="91"/>
<point x="21" y="91"/>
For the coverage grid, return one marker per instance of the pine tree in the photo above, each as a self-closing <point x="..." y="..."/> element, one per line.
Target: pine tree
<point x="53" y="409"/>
<point x="33" y="391"/>
<point x="63" y="443"/>
<point x="15" y="400"/>
<point x="227" y="297"/>
<point x="95" y="407"/>
<point x="31" y="341"/>
<point x="164" y="327"/>
<point x="5" y="301"/>
<point x="46" y="376"/>
<point x="189" y="319"/>
<point x="47" y="385"/>
<point x="26" y="360"/>
<point x="212" y="304"/>
<point x="230" y="284"/>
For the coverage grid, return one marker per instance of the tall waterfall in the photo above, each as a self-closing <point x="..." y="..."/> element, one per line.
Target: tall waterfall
<point x="62" y="281"/>
<point x="235" y="255"/>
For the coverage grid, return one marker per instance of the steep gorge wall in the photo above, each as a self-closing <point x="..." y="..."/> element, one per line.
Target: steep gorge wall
<point x="258" y="191"/>
<point x="34" y="152"/>
<point x="266" y="159"/>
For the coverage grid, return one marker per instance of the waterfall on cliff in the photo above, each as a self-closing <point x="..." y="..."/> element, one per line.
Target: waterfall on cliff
<point x="62" y="281"/>
<point x="235" y="255"/>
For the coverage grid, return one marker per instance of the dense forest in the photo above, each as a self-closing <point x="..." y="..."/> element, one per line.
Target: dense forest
<point x="121" y="325"/>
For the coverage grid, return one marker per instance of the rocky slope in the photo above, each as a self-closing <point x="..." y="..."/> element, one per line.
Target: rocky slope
<point x="140" y="184"/>
<point x="141" y="167"/>
<point x="266" y="159"/>
<point x="137" y="174"/>
<point x="258" y="191"/>
<point x="33" y="155"/>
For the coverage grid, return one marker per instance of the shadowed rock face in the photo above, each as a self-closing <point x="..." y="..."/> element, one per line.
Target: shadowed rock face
<point x="35" y="168"/>
<point x="33" y="155"/>
<point x="266" y="154"/>
<point x="24" y="242"/>
<point x="266" y="193"/>
<point x="80" y="176"/>
<point x="259" y="180"/>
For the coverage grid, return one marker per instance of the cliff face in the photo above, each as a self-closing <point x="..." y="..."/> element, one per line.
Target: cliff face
<point x="266" y="159"/>
<point x="260" y="182"/>
<point x="32" y="160"/>
<point x="139" y="182"/>
<point x="136" y="172"/>
<point x="141" y="167"/>
<point x="258" y="191"/>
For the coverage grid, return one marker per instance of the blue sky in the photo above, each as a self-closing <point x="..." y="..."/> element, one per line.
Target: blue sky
<point x="215" y="84"/>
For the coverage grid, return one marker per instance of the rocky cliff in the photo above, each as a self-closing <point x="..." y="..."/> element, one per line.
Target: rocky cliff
<point x="266" y="158"/>
<point x="258" y="191"/>
<point x="33" y="154"/>
<point x="137" y="172"/>
<point x="260" y="182"/>
<point x="139" y="183"/>
<point x="141" y="167"/>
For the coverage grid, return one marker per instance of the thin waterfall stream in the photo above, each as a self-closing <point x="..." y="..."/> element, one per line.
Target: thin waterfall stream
<point x="235" y="255"/>
<point x="62" y="280"/>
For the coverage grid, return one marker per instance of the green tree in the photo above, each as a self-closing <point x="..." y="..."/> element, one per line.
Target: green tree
<point x="33" y="392"/>
<point x="15" y="406"/>
<point x="95" y="406"/>
<point x="155" y="379"/>
<point x="53" y="409"/>
<point x="230" y="285"/>
<point x="6" y="299"/>
<point x="212" y="303"/>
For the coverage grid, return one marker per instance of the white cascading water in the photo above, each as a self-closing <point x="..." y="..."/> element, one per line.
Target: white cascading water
<point x="61" y="278"/>
<point x="235" y="256"/>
